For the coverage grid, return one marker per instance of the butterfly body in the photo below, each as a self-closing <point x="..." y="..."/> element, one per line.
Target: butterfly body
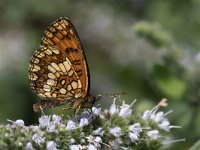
<point x="86" y="102"/>
<point x="58" y="70"/>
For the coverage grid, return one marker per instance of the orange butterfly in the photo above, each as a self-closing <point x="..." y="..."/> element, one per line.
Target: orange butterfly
<point x="58" y="71"/>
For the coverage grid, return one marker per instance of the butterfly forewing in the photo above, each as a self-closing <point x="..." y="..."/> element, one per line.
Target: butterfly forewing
<point x="58" y="69"/>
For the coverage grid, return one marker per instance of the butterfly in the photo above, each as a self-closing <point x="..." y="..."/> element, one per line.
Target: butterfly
<point x="58" y="70"/>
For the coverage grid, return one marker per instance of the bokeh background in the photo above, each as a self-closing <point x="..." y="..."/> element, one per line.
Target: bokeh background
<point x="149" y="49"/>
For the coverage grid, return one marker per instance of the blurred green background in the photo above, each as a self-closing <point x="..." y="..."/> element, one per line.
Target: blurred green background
<point x="149" y="49"/>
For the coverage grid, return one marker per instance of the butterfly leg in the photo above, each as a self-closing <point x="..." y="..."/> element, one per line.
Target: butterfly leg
<point x="64" y="109"/>
<point x="77" y="110"/>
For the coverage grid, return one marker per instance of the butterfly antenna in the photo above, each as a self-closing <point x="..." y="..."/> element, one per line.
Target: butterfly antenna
<point x="112" y="95"/>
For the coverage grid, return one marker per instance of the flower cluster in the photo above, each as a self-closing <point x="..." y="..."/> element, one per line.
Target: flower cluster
<point x="115" y="128"/>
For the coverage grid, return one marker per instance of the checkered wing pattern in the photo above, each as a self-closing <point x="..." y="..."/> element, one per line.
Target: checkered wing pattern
<point x="58" y="70"/>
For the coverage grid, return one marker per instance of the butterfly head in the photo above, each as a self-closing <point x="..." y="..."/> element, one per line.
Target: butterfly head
<point x="90" y="101"/>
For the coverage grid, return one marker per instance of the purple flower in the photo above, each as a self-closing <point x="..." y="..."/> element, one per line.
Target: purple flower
<point x="44" y="121"/>
<point x="70" y="125"/>
<point x="116" y="131"/>
<point x="38" y="139"/>
<point x="51" y="145"/>
<point x="153" y="134"/>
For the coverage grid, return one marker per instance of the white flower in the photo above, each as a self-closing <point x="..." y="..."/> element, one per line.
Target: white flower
<point x="125" y="109"/>
<point x="70" y="125"/>
<point x="96" y="111"/>
<point x="19" y="123"/>
<point x="116" y="131"/>
<point x="82" y="141"/>
<point x="91" y="147"/>
<point x="94" y="140"/>
<point x="146" y="115"/>
<point x="56" y="119"/>
<point x="90" y="138"/>
<point x="135" y="128"/>
<point x="75" y="147"/>
<point x="44" y="121"/>
<point x="97" y="141"/>
<point x="165" y="125"/>
<point x="113" y="108"/>
<point x="29" y="146"/>
<point x="133" y="136"/>
<point x="99" y="131"/>
<point x="153" y="134"/>
<point x="34" y="128"/>
<point x="115" y="144"/>
<point x="38" y="139"/>
<point x="51" y="145"/>
<point x="83" y="122"/>
<point x="51" y="127"/>
<point x="158" y="117"/>
<point x="72" y="140"/>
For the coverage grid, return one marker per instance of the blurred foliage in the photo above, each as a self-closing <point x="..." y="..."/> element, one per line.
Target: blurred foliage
<point x="153" y="32"/>
<point x="149" y="49"/>
<point x="196" y="146"/>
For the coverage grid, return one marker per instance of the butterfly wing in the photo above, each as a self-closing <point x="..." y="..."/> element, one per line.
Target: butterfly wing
<point x="58" y="69"/>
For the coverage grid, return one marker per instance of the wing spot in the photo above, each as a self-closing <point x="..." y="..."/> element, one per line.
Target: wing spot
<point x="79" y="84"/>
<point x="64" y="32"/>
<point x="40" y="54"/>
<point x="55" y="66"/>
<point x="74" y="85"/>
<point x="57" y="74"/>
<point x="78" y="93"/>
<point x="76" y="62"/>
<point x="71" y="72"/>
<point x="71" y="50"/>
<point x="62" y="67"/>
<point x="54" y="95"/>
<point x="42" y="95"/>
<point x="56" y="51"/>
<point x="33" y="77"/>
<point x="62" y="82"/>
<point x="51" y="76"/>
<point x="48" y="94"/>
<point x="47" y="42"/>
<point x="49" y="34"/>
<point x="65" y="22"/>
<point x="79" y="72"/>
<point x="52" y="29"/>
<point x="47" y="88"/>
<point x="67" y="65"/>
<point x="36" y="60"/>
<point x="48" y="52"/>
<point x="69" y="94"/>
<point x="62" y="91"/>
<point x="59" y="27"/>
<point x="71" y="32"/>
<point x="35" y="68"/>
<point x="51" y="82"/>
<point x="55" y="24"/>
<point x="69" y="87"/>
<point x="51" y="69"/>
